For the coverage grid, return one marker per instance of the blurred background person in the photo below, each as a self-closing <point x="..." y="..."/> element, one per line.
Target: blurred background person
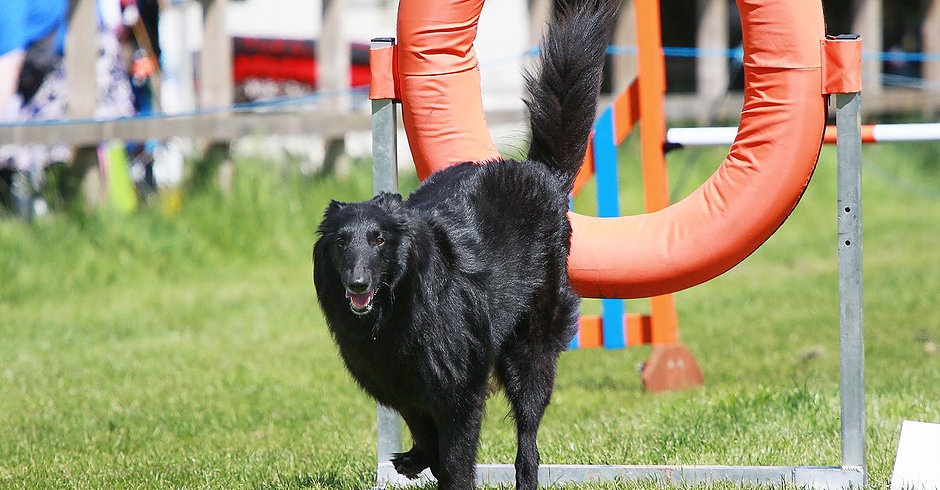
<point x="32" y="33"/>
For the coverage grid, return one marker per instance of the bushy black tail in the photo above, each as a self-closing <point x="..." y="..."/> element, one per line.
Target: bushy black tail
<point x="563" y="93"/>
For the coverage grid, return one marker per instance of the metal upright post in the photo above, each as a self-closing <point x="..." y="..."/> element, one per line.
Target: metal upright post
<point x="384" y="138"/>
<point x="388" y="431"/>
<point x="385" y="179"/>
<point x="851" y="318"/>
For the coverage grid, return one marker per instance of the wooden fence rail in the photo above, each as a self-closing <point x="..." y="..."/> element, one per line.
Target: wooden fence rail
<point x="334" y="120"/>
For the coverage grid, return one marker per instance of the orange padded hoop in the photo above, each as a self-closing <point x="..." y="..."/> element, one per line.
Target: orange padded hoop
<point x="689" y="242"/>
<point x="442" y="108"/>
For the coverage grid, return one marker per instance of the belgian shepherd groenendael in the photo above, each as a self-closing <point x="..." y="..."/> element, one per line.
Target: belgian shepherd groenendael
<point x="426" y="297"/>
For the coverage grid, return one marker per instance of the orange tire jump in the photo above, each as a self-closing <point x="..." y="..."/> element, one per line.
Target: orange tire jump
<point x="686" y="243"/>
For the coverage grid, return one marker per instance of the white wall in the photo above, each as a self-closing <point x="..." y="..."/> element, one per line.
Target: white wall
<point x="501" y="40"/>
<point x="290" y="19"/>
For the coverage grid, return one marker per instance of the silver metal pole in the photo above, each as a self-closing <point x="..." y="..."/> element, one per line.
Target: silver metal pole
<point x="385" y="179"/>
<point x="388" y="429"/>
<point x="384" y="137"/>
<point x="851" y="318"/>
<point x="384" y="146"/>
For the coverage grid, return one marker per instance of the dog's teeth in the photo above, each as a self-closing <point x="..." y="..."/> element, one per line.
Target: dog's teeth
<point x="361" y="303"/>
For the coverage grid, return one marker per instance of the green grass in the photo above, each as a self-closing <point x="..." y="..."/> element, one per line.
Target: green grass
<point x="187" y="350"/>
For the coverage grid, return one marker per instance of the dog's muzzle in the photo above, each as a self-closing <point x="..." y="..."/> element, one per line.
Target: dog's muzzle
<point x="360" y="304"/>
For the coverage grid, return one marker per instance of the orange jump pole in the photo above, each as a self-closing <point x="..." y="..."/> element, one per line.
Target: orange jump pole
<point x="662" y="371"/>
<point x="671" y="365"/>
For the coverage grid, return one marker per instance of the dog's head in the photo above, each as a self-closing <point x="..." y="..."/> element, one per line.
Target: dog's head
<point x="359" y="253"/>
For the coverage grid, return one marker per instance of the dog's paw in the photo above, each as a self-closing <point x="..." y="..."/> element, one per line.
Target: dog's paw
<point x="410" y="464"/>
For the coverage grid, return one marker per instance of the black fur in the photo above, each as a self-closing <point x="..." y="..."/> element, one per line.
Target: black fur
<point x="468" y="276"/>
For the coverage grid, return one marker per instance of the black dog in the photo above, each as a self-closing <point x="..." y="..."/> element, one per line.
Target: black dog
<point x="426" y="297"/>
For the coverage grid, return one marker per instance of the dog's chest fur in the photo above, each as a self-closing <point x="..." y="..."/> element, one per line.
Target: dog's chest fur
<point x="412" y="359"/>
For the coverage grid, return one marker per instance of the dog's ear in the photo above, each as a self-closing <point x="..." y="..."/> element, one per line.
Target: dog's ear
<point x="388" y="201"/>
<point x="326" y="224"/>
<point x="408" y="245"/>
<point x="335" y="206"/>
<point x="400" y="266"/>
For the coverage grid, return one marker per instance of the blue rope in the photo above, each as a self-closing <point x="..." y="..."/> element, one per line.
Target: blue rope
<point x="738" y="53"/>
<point x="684" y="52"/>
<point x="900" y="56"/>
<point x="670" y="51"/>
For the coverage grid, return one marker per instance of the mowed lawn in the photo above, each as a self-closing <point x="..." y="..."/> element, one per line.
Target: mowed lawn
<point x="186" y="350"/>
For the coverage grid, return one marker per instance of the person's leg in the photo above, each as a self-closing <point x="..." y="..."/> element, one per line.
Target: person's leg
<point x="10" y="65"/>
<point x="6" y="183"/>
<point x="21" y="193"/>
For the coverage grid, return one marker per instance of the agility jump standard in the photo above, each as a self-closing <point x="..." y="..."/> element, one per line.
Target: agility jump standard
<point x="790" y="68"/>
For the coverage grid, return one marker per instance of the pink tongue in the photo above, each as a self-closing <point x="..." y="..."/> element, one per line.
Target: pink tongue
<point x="361" y="300"/>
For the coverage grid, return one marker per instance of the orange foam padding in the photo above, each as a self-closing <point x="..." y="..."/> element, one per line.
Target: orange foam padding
<point x="868" y="135"/>
<point x="751" y="193"/>
<point x="442" y="109"/>
<point x="689" y="242"/>
<point x="841" y="66"/>
<point x="383" y="73"/>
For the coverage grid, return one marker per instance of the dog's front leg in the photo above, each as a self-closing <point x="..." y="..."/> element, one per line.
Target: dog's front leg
<point x="459" y="435"/>
<point x="424" y="453"/>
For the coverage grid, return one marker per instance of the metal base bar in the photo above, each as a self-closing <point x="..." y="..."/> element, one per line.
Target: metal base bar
<point x="821" y="477"/>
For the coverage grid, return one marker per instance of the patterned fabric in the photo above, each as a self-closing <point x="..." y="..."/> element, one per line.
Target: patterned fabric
<point x="114" y="99"/>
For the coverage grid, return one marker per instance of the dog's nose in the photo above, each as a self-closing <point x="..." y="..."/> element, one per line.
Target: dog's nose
<point x="358" y="286"/>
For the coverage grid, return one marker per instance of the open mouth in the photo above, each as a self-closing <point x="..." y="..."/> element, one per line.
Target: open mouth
<point x="360" y="304"/>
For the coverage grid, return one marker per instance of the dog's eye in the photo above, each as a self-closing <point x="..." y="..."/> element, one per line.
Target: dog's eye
<point x="341" y="242"/>
<point x="378" y="241"/>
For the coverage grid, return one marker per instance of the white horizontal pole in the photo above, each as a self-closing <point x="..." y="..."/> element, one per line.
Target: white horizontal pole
<point x="701" y="136"/>
<point x="906" y="132"/>
<point x="882" y="133"/>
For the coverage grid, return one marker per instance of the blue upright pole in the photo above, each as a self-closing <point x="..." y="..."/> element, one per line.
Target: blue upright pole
<point x="608" y="206"/>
